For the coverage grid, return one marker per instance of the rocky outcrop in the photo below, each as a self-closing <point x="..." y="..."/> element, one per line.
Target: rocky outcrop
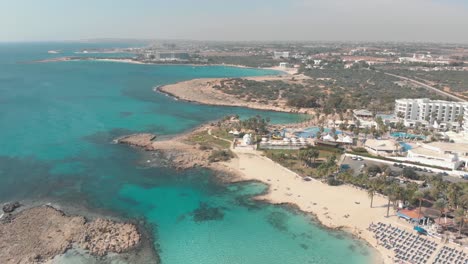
<point x="102" y="236"/>
<point x="143" y="140"/>
<point x="38" y="234"/>
<point x="10" y="207"/>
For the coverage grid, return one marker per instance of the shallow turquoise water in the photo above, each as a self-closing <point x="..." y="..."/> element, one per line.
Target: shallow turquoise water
<point x="405" y="146"/>
<point x="57" y="123"/>
<point x="406" y="135"/>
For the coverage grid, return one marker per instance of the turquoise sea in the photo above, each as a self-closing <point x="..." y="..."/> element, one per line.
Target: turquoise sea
<point x="57" y="122"/>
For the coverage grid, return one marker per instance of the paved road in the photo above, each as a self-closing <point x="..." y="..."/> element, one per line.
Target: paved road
<point x="356" y="165"/>
<point x="427" y="87"/>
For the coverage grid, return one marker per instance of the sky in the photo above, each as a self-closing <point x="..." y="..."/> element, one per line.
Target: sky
<point x="235" y="20"/>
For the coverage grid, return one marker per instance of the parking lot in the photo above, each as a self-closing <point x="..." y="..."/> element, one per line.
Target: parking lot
<point x="357" y="165"/>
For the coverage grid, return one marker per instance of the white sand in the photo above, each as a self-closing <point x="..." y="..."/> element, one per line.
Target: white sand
<point x="330" y="204"/>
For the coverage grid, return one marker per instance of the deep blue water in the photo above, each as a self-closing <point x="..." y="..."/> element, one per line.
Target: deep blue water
<point x="57" y="122"/>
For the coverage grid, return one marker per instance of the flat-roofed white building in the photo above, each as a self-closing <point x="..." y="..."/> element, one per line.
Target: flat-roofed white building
<point x="382" y="147"/>
<point x="426" y="112"/>
<point x="465" y="118"/>
<point x="280" y="55"/>
<point x="448" y="155"/>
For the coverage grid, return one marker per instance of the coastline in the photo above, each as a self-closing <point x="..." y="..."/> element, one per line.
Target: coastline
<point x="180" y="152"/>
<point x="342" y="208"/>
<point x="133" y="61"/>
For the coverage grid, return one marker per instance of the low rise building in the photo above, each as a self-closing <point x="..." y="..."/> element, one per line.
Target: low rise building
<point x="280" y="55"/>
<point x="365" y="118"/>
<point x="363" y="114"/>
<point x="448" y="155"/>
<point x="382" y="147"/>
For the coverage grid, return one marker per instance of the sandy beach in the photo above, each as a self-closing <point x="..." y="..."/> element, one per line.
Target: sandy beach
<point x="202" y="91"/>
<point x="342" y="207"/>
<point x="338" y="207"/>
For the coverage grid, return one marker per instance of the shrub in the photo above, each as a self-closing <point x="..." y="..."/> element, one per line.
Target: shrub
<point x="220" y="155"/>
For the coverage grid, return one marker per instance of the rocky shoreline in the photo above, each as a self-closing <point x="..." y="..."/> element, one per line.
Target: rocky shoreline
<point x="178" y="151"/>
<point x="143" y="140"/>
<point x="39" y="234"/>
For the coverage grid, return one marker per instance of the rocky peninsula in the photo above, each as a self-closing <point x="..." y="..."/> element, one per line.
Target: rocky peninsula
<point x="184" y="151"/>
<point x="38" y="234"/>
<point x="205" y="91"/>
<point x="143" y="140"/>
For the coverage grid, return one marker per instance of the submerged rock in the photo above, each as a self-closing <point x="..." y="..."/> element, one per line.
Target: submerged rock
<point x="10" y="207"/>
<point x="206" y="213"/>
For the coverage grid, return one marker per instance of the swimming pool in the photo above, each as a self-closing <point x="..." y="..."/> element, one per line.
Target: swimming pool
<point x="405" y="146"/>
<point x="407" y="135"/>
<point x="385" y="116"/>
<point x="311" y="132"/>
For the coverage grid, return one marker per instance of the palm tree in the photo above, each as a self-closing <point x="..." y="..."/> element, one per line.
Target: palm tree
<point x="460" y="216"/>
<point x="313" y="154"/>
<point x="454" y="192"/>
<point x="303" y="156"/>
<point x="440" y="205"/>
<point x="371" y="192"/>
<point x="418" y="195"/>
<point x="389" y="191"/>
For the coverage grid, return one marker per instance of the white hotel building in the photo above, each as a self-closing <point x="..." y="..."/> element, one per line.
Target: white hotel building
<point x="427" y="112"/>
<point x="465" y="124"/>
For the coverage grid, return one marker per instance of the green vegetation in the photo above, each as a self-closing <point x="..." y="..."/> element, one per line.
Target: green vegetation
<point x="332" y="89"/>
<point x="457" y="81"/>
<point x="221" y="155"/>
<point x="360" y="87"/>
<point x="308" y="162"/>
<point x="257" y="124"/>
<point x="208" y="141"/>
<point x="254" y="61"/>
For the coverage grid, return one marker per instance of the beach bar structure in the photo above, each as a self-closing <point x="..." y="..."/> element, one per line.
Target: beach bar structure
<point x="411" y="215"/>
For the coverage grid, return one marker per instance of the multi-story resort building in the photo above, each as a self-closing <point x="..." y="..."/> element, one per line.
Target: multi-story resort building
<point x="465" y="118"/>
<point x="442" y="114"/>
